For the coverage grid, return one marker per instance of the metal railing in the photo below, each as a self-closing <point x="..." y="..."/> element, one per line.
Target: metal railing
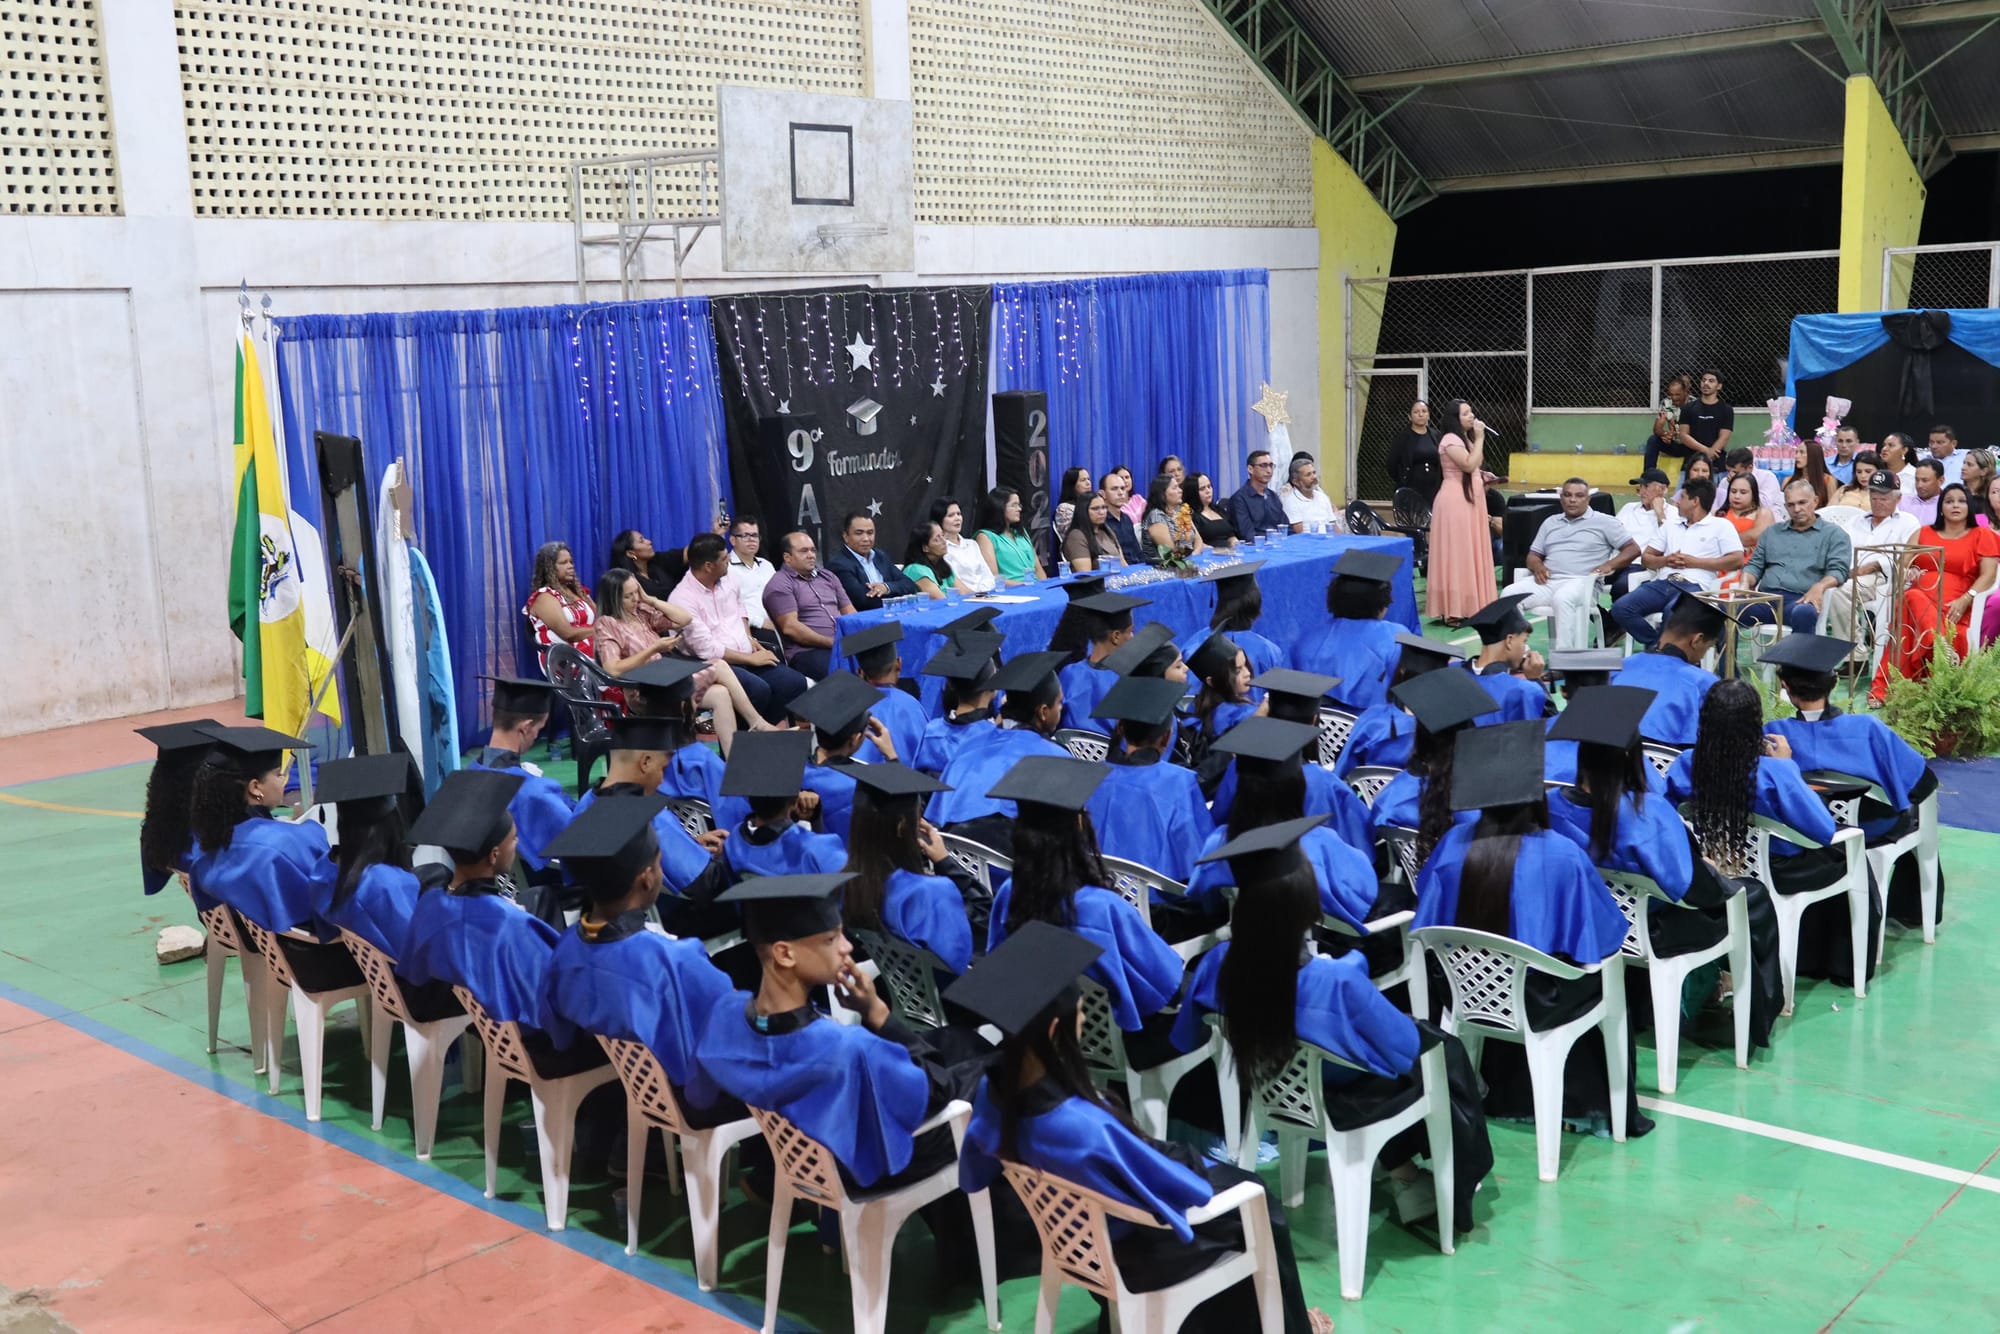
<point x="677" y="195"/>
<point x="1941" y="277"/>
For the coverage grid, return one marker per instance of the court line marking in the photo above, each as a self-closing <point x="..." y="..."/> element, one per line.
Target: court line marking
<point x="1841" y="1148"/>
<point x="10" y="799"/>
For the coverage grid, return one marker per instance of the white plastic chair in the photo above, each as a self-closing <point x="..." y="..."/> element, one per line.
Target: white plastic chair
<point x="1293" y="1103"/>
<point x="807" y="1170"/>
<point x="1975" y="619"/>
<point x="1410" y="972"/>
<point x="1789" y="908"/>
<point x="1136" y="885"/>
<point x="1368" y="780"/>
<point x="1639" y="896"/>
<point x="309" y="1012"/>
<point x="555" y="1102"/>
<point x="649" y="1104"/>
<point x="1920" y="843"/>
<point x="425" y="1045"/>
<point x="975" y="858"/>
<point x="694" y="814"/>
<point x="223" y="944"/>
<point x="1660" y="755"/>
<point x="1084" y="745"/>
<point x="1488" y="976"/>
<point x="1148" y="1091"/>
<point x="909" y="974"/>
<point x="1402" y="841"/>
<point x="1076" y="1248"/>
<point x="1335" y="726"/>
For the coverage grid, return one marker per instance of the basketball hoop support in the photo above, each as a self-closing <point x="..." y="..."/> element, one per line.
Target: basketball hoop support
<point x="638" y="178"/>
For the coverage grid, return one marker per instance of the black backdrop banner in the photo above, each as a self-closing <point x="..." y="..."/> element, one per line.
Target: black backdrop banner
<point x="800" y="371"/>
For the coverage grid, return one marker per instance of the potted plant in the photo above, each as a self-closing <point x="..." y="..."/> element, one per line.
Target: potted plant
<point x="1954" y="710"/>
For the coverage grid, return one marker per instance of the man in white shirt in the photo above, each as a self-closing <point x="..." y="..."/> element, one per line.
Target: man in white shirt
<point x="1572" y="550"/>
<point x="1886" y="524"/>
<point x="1644" y="518"/>
<point x="1692" y="555"/>
<point x="1304" y="502"/>
<point x="1944" y="452"/>
<point x="748" y="571"/>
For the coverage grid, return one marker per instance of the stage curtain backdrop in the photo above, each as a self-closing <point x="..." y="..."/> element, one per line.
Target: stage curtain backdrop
<point x="1823" y="344"/>
<point x="517" y="426"/>
<point x="792" y="365"/>
<point x="1140" y="367"/>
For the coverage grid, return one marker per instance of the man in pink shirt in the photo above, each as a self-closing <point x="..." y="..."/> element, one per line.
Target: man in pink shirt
<point x="719" y="630"/>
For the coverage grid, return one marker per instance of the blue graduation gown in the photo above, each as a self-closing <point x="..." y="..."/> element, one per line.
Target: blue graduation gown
<point x="1346" y="876"/>
<point x="643" y="987"/>
<point x="1559" y="759"/>
<point x="1363" y="654"/>
<point x="928" y="911"/>
<point x="1151" y="814"/>
<point x="1558" y="904"/>
<point x="379" y="908"/>
<point x="682" y="860"/>
<point x="1681" y="686"/>
<point x="1650" y="841"/>
<point x="540" y="810"/>
<point x="494" y="948"/>
<point x="694" y="771"/>
<point x="1346" y="814"/>
<point x="1083" y="685"/>
<point x="273" y="872"/>
<point x="859" y="1094"/>
<point x="943" y="739"/>
<point x="796" y="851"/>
<point x="1781" y="793"/>
<point x="1861" y="745"/>
<point x="1383" y="736"/>
<point x="835" y="787"/>
<point x="978" y="767"/>
<point x="1139" y="970"/>
<point x="1519" y="699"/>
<point x="1338" y="1009"/>
<point x="1088" y="1145"/>
<point x="904" y="716"/>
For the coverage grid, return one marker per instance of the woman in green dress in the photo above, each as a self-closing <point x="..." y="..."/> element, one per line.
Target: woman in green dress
<point x="1003" y="542"/>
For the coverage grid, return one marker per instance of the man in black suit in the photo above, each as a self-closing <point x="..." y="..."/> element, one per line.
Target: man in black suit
<point x="866" y="576"/>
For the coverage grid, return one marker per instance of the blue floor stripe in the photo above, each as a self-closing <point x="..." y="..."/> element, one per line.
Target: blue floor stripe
<point x="530" y="1219"/>
<point x="1969" y="793"/>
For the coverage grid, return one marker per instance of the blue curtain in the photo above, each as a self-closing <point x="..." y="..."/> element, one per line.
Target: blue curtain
<point x="518" y="427"/>
<point x="1822" y="344"/>
<point x="1141" y="367"/>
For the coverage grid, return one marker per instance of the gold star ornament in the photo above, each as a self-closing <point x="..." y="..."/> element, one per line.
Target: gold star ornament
<point x="1272" y="406"/>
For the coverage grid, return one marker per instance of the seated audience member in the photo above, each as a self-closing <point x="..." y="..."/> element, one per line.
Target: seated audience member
<point x="1030" y="714"/>
<point x="896" y="858"/>
<point x="1106" y="620"/>
<point x="1944" y="452"/>
<point x="805" y="603"/>
<point x="1147" y="810"/>
<point x="1039" y="1108"/>
<point x="1117" y="488"/>
<point x="967" y="664"/>
<point x="1509" y="670"/>
<point x="1941" y="591"/>
<point x="1801" y="560"/>
<point x="838" y="710"/>
<point x="1672" y="670"/>
<point x="1239" y="602"/>
<point x="1306" y="505"/>
<point x="1690" y="555"/>
<point x="1382" y="734"/>
<point x="1091" y="542"/>
<point x="1444" y="704"/>
<point x="1070" y="498"/>
<point x="749" y="571"/>
<point x="1359" y="646"/>
<point x="1853" y="492"/>
<point x="1922" y="500"/>
<point x="968" y="566"/>
<point x="167" y="849"/>
<point x="1846" y="445"/>
<point x="924" y="564"/>
<point x="1899" y="452"/>
<point x="1198" y="490"/>
<point x="717" y="630"/>
<point x="632" y="553"/>
<point x="559" y="610"/>
<point x="1325" y="793"/>
<point x="1750" y="518"/>
<point x="1742" y="462"/>
<point x="1004" y="543"/>
<point x="1664" y="439"/>
<point x="1255" y="509"/>
<point x="879" y="662"/>
<point x="1572" y="550"/>
<point x="865" y="576"/>
<point x="1169" y="521"/>
<point x="1642" y="520"/>
<point x="625" y="644"/>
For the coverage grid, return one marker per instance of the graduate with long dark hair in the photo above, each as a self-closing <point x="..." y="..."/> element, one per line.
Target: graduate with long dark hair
<point x="1384" y="734"/>
<point x="1224" y="671"/>
<point x="1238" y="604"/>
<point x="166" y="846"/>
<point x="1290" y="700"/>
<point x="1359" y="645"/>
<point x="893" y="856"/>
<point x="1443" y="704"/>
<point x="1030" y="715"/>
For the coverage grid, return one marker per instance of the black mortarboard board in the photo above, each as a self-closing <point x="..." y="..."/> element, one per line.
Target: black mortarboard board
<point x="839" y="704"/>
<point x="1581" y="667"/>
<point x="1603" y="715"/>
<point x="669" y="677"/>
<point x="1265" y="853"/>
<point x="889" y="779"/>
<point x="1147" y="640"/>
<point x="642" y="733"/>
<point x="766" y="764"/>
<point x="1088" y="584"/>
<point x="609" y="843"/>
<point x="1500" y="618"/>
<point x="168" y="737"/>
<point x="1140" y="699"/>
<point x="363" y="777"/>
<point x="517" y="694"/>
<point x="1377" y="567"/>
<point x="468" y="813"/>
<point x="241" y="743"/>
<point x="1497" y="765"/>
<point x="1027" y="671"/>
<point x="964" y="658"/>
<point x="1109" y="604"/>
<point x="1689" y="612"/>
<point x="1433" y="652"/>
<point x="1444" y="700"/>
<point x="1299" y="685"/>
<point x="1269" y="739"/>
<point x="879" y="635"/>
<point x="976" y="619"/>
<point x="788" y="907"/>
<point x="1242" y="569"/>
<point x="1810" y="653"/>
<point x="1032" y="970"/>
<point x="1050" y="780"/>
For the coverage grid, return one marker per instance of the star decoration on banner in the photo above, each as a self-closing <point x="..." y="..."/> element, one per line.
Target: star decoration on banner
<point x="875" y="508"/>
<point x="1271" y="406"/>
<point x="863" y="354"/>
<point x="784" y="407"/>
<point x="913" y="419"/>
<point x="937" y="387"/>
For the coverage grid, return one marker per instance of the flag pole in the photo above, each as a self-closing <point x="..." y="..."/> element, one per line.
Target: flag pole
<point x="319" y="693"/>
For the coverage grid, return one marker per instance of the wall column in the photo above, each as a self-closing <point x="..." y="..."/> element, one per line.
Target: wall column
<point x="1357" y="239"/>
<point x="1881" y="201"/>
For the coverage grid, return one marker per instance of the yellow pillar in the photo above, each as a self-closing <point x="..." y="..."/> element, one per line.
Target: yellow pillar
<point x="1881" y="201"/>
<point x="1357" y="239"/>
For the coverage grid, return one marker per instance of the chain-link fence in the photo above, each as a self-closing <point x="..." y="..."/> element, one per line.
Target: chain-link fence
<point x="1941" y="277"/>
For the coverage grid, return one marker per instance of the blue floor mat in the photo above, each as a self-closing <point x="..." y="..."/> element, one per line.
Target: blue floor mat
<point x="1969" y="793"/>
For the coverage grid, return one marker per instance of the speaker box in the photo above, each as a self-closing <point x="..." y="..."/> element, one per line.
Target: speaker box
<point x="1021" y="455"/>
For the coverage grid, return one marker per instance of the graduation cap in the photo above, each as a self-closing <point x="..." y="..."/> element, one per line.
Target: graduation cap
<point x="1243" y="569"/>
<point x="672" y="677"/>
<point x="249" y="748"/>
<point x="469" y="812"/>
<point x="1055" y="781"/>
<point x="1308" y="686"/>
<point x="643" y="733"/>
<point x="880" y="635"/>
<point x="1693" y="613"/>
<point x="170" y="737"/>
<point x="1015" y="985"/>
<point x="1140" y="699"/>
<point x="1443" y="700"/>
<point x="1500" y="618"/>
<point x="1088" y="584"/>
<point x="1270" y="740"/>
<point x="767" y="764"/>
<point x="1214" y="656"/>
<point x="1132" y="654"/>
<point x="1499" y="765"/>
<point x="610" y="841"/>
<point x="1421" y="655"/>
<point x="838" y="705"/>
<point x="1266" y="853"/>
<point x="890" y="780"/>
<point x="1603" y="716"/>
<point x="518" y="694"/>
<point x="1581" y="667"/>
<point x="1109" y="604"/>
<point x="1807" y="653"/>
<point x="976" y="619"/>
<point x="1027" y="671"/>
<point x="1377" y="567"/>
<point x="788" y="907"/>
<point x="965" y="658"/>
<point x="364" y="778"/>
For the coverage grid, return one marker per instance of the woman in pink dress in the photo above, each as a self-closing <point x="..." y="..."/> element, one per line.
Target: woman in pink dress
<point x="1460" y="578"/>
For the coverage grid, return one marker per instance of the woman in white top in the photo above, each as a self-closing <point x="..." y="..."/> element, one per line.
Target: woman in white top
<point x="973" y="574"/>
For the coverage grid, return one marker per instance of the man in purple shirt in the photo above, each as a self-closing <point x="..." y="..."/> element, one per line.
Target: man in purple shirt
<point x="719" y="632"/>
<point x="805" y="604"/>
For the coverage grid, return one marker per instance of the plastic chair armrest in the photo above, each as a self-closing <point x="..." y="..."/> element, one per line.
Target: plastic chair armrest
<point x="1242" y="1194"/>
<point x="1389" y="923"/>
<point x="958" y="1109"/>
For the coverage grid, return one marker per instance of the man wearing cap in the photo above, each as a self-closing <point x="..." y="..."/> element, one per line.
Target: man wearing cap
<point x="1800" y="562"/>
<point x="1573" y="549"/>
<point x="1146" y="810"/>
<point x="1108" y="624"/>
<point x="1358" y="647"/>
<point x="866" y="578"/>
<point x="967" y="663"/>
<point x="719" y="629"/>
<point x="540" y="808"/>
<point x="1690" y="555"/>
<point x="1510" y="671"/>
<point x="1030" y="715"/>
<point x="879" y="662"/>
<point x="1642" y="520"/>
<point x="1886" y="524"/>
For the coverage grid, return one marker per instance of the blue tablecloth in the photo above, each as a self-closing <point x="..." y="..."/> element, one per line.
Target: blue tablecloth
<point x="1294" y="581"/>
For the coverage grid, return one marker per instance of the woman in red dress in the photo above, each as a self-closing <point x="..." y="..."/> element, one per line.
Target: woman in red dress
<point x="1971" y="562"/>
<point x="559" y="610"/>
